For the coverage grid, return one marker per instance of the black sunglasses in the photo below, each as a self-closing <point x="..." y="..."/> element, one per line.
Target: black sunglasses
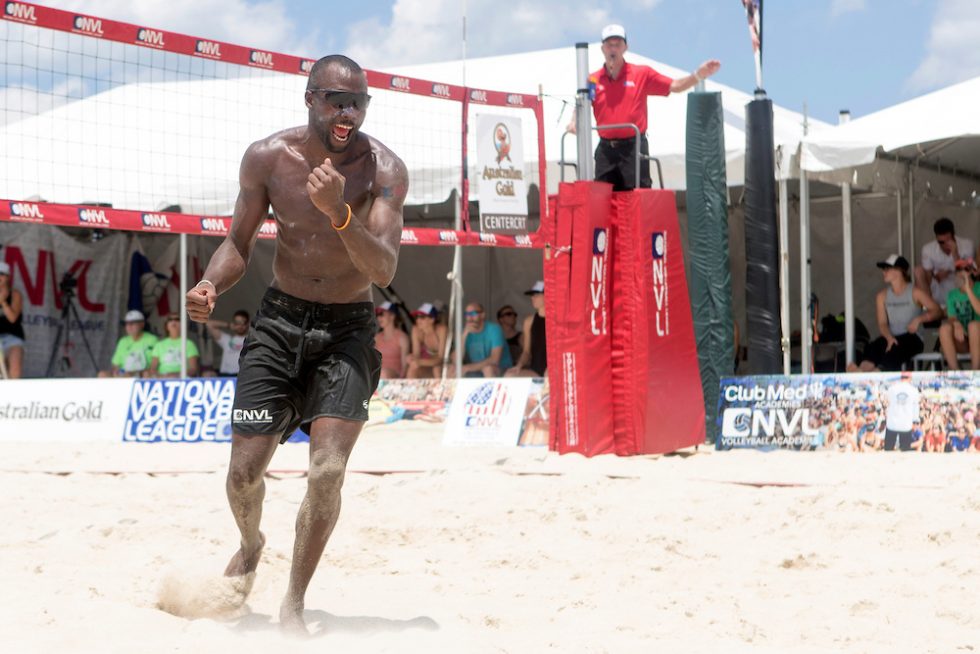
<point x="507" y="314"/>
<point x="343" y="99"/>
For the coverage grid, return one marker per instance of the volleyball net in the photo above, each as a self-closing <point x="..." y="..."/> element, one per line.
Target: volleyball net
<point x="112" y="125"/>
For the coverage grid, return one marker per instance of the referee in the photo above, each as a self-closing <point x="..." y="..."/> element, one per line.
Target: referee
<point x="620" y="93"/>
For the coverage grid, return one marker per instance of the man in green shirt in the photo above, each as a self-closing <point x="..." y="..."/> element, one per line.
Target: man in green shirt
<point x="961" y="332"/>
<point x="132" y="355"/>
<point x="165" y="356"/>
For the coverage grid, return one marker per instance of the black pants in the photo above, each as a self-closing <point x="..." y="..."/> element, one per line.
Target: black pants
<point x="903" y="438"/>
<point x="615" y="162"/>
<point x="908" y="346"/>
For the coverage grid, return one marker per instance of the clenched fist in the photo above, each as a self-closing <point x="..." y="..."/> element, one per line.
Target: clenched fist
<point x="325" y="186"/>
<point x="200" y="301"/>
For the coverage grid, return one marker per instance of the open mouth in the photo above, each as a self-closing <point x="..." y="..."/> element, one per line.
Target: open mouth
<point x="341" y="132"/>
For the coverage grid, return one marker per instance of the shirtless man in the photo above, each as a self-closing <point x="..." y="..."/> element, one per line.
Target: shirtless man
<point x="309" y="358"/>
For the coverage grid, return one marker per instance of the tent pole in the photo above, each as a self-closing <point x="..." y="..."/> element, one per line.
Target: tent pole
<point x="784" y="307"/>
<point x="457" y="298"/>
<point x="183" y="306"/>
<point x="805" y="334"/>
<point x="848" y="240"/>
<point x="911" y="210"/>
<point x="900" y="246"/>
<point x="846" y="219"/>
<point x="911" y="256"/>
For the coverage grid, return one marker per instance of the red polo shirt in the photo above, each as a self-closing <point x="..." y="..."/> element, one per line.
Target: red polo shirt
<point x="624" y="99"/>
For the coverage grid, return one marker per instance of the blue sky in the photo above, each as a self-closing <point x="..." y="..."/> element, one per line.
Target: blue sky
<point x="863" y="55"/>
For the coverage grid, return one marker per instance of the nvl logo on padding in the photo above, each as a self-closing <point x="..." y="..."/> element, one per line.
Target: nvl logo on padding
<point x="661" y="299"/>
<point x="597" y="282"/>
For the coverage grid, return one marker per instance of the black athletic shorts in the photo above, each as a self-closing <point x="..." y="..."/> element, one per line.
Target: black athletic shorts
<point x="304" y="360"/>
<point x="615" y="162"/>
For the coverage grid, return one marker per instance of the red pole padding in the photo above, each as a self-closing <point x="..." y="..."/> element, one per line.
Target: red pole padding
<point x="577" y="290"/>
<point x="659" y="405"/>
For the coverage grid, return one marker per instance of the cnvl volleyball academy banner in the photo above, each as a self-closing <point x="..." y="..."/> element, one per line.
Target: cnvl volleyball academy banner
<point x="923" y="412"/>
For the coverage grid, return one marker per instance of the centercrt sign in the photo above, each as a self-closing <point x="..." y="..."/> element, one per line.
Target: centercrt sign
<point x="500" y="161"/>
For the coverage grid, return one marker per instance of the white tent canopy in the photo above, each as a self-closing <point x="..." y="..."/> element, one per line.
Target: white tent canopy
<point x="936" y="129"/>
<point x="179" y="142"/>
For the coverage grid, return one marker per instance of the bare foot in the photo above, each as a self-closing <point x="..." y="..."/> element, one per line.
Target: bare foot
<point x="244" y="562"/>
<point x="291" y="619"/>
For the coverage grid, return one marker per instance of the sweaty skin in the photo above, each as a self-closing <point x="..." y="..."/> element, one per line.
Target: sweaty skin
<point x="307" y="174"/>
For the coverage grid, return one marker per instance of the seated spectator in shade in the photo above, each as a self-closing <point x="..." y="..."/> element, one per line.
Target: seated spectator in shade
<point x="507" y="319"/>
<point x="937" y="272"/>
<point x="428" y="344"/>
<point x="485" y="352"/>
<point x="391" y="341"/>
<point x="961" y="331"/>
<point x="901" y="309"/>
<point x="11" y="324"/>
<point x="165" y="355"/>
<point x="534" y="355"/>
<point x="231" y="344"/>
<point x="132" y="355"/>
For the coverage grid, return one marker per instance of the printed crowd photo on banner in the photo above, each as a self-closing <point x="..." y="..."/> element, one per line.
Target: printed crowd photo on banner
<point x="907" y="412"/>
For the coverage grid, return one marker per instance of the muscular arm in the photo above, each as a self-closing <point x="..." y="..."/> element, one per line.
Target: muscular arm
<point x="372" y="241"/>
<point x="229" y="261"/>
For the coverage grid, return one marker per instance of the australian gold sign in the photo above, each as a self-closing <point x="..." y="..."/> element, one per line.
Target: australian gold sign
<point x="502" y="191"/>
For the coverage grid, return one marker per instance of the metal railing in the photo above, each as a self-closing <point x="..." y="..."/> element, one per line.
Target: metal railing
<point x="639" y="155"/>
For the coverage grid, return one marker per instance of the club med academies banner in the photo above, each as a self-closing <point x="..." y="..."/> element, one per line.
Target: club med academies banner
<point x="918" y="412"/>
<point x="500" y="162"/>
<point x="487" y="411"/>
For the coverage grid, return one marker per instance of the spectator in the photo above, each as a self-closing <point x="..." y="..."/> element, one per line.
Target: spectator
<point x="231" y="344"/>
<point x="534" y="356"/>
<point x="428" y="344"/>
<point x="485" y="352"/>
<point x="132" y="355"/>
<point x="11" y="324"/>
<point x="391" y="341"/>
<point x="507" y="319"/>
<point x="961" y="332"/>
<point x="165" y="356"/>
<point x="937" y="272"/>
<point x="902" y="413"/>
<point x="621" y="90"/>
<point x="901" y="309"/>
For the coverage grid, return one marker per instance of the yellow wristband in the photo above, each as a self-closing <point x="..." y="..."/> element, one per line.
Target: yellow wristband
<point x="346" y="222"/>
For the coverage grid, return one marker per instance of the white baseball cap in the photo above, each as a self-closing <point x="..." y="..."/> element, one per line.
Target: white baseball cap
<point x="613" y="31"/>
<point x="4" y="268"/>
<point x="537" y="288"/>
<point x="134" y="316"/>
